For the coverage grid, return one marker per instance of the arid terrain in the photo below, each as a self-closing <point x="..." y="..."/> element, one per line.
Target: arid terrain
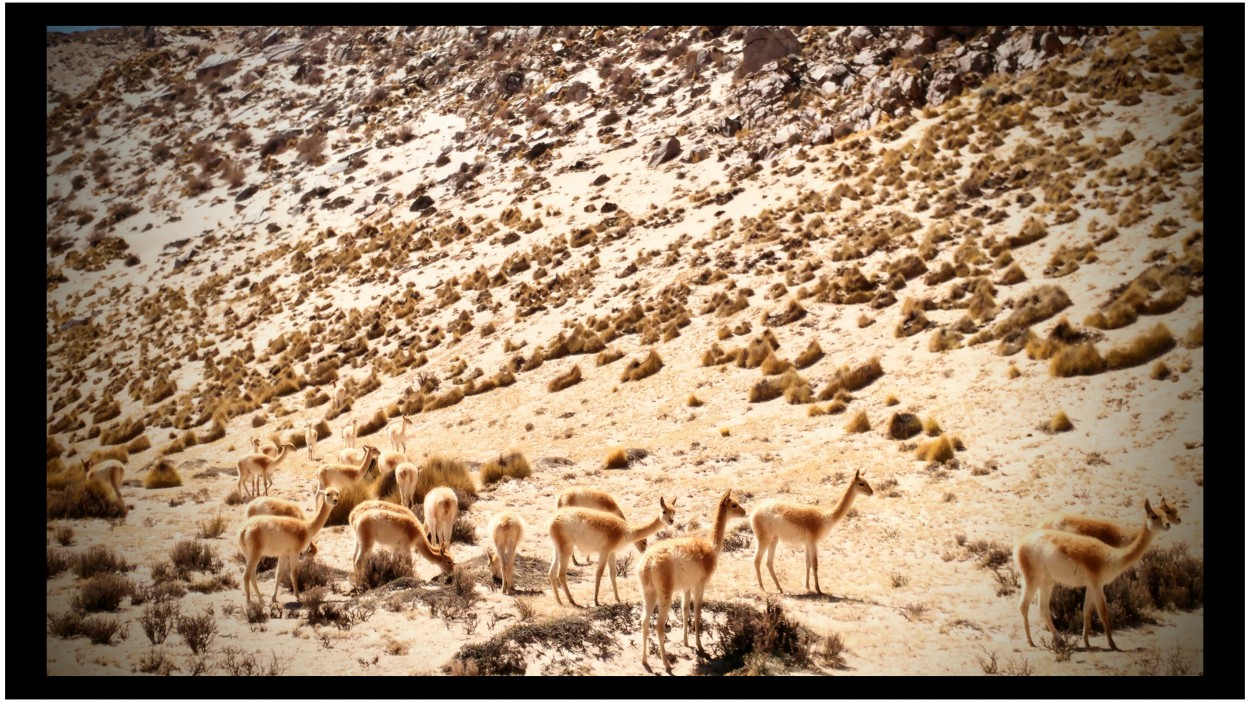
<point x="661" y="262"/>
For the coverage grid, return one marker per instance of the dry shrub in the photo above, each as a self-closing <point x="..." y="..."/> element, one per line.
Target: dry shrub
<point x="940" y="449"/>
<point x="311" y="149"/>
<point x="162" y="475"/>
<point x="945" y="339"/>
<point x="449" y="472"/>
<point x="84" y="500"/>
<point x="102" y="593"/>
<point x="99" y="559"/>
<point x="858" y="423"/>
<point x="189" y="556"/>
<point x="1141" y="349"/>
<point x="609" y="355"/>
<point x="810" y="355"/>
<point x="66" y="476"/>
<point x="99" y="630"/>
<point x="851" y="380"/>
<point x="694" y="401"/>
<point x="752" y="641"/>
<point x="639" y="369"/>
<point x="764" y="390"/>
<point x="122" y="432"/>
<point x="376" y="422"/>
<point x="54" y="448"/>
<point x="447" y="399"/>
<point x="617" y="459"/>
<point x="1193" y="339"/>
<point x="931" y="427"/>
<point x="215" y="431"/>
<point x="1160" y="371"/>
<point x="903" y="425"/>
<point x="1082" y="359"/>
<point x="198" y="631"/>
<point x="212" y="527"/>
<point x="569" y="378"/>
<point x="117" y="453"/>
<point x="158" y="621"/>
<point x="140" y="444"/>
<point x="1059" y="423"/>
<point x="383" y="566"/>
<point x="1032" y="230"/>
<point x="757" y="351"/>
<point x="512" y="465"/>
<point x="773" y="365"/>
<point x="792" y="312"/>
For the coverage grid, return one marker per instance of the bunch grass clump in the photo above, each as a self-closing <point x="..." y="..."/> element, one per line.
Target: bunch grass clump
<point x="512" y="465"/>
<point x="569" y="378"/>
<point x="448" y="472"/>
<point x="646" y="367"/>
<point x="162" y="475"/>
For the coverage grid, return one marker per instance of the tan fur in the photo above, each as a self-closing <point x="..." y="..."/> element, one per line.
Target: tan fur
<point x="274" y="506"/>
<point x="381" y="523"/>
<point x="1046" y="557"/>
<point x="349" y="434"/>
<point x="595" y="531"/>
<point x="440" y="510"/>
<point x="389" y="460"/>
<point x="399" y="435"/>
<point x="110" y="472"/>
<point x="310" y="438"/>
<point x="798" y="525"/>
<point x="1104" y="530"/>
<point x="265" y="446"/>
<point x="351" y="456"/>
<point x="258" y="467"/>
<point x="593" y="499"/>
<point x="505" y="531"/>
<point x="283" y="537"/>
<point x="341" y="475"/>
<point x="682" y="565"/>
<point x="406" y="476"/>
<point x="340" y="397"/>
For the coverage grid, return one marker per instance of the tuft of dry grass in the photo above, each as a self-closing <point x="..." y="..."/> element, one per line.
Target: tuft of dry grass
<point x="903" y="425"/>
<point x="1082" y="359"/>
<point x="1193" y="339"/>
<point x="1160" y="371"/>
<point x="448" y="472"/>
<point x="1059" y="423"/>
<point x="212" y="527"/>
<point x="773" y="365"/>
<point x="931" y="427"/>
<point x="945" y="339"/>
<point x="86" y="499"/>
<point x="447" y="399"/>
<point x="569" y="378"/>
<point x="608" y="356"/>
<point x="349" y="497"/>
<point x="639" y="369"/>
<point x="162" y="475"/>
<point x="724" y="431"/>
<point x="810" y="355"/>
<point x="512" y="465"/>
<point x="1143" y="348"/>
<point x="617" y="459"/>
<point x="940" y="449"/>
<point x="858" y="423"/>
<point x="694" y="401"/>
<point x="914" y="320"/>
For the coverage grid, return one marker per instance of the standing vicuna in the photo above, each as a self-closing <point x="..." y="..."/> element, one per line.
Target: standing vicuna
<point x="110" y="472"/>
<point x="258" y="466"/>
<point x="799" y="525"/>
<point x="593" y="499"/>
<point x="1046" y="557"/>
<point x="377" y="522"/>
<point x="349" y="434"/>
<point x="598" y="532"/>
<point x="341" y="476"/>
<point x="389" y="461"/>
<point x="340" y="395"/>
<point x="684" y="564"/>
<point x="1104" y="530"/>
<point x="399" y="435"/>
<point x="439" y="510"/>
<point x="284" y="537"/>
<point x="406" y="476"/>
<point x="310" y="438"/>
<point x="505" y="531"/>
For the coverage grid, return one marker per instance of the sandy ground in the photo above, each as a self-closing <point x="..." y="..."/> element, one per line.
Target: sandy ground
<point x="901" y="592"/>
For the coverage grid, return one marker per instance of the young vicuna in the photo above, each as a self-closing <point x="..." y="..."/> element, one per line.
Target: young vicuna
<point x="381" y="523"/>
<point x="440" y="510"/>
<point x="399" y="435"/>
<point x="389" y="461"/>
<point x="406" y="475"/>
<point x="599" y="532"/>
<point x="284" y="537"/>
<point x="799" y="525"/>
<point x="340" y="395"/>
<point x="340" y="476"/>
<point x="258" y="466"/>
<point x="504" y="531"/>
<point x="1046" y="557"/>
<point x="593" y="499"/>
<point x="349" y="434"/>
<point x="1105" y="530"/>
<point x="684" y="565"/>
<point x="310" y="438"/>
<point x="110" y="472"/>
<point x="264" y="446"/>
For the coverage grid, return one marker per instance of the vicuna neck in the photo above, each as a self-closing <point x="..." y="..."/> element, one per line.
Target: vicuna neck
<point x="642" y="532"/>
<point x="318" y="521"/>
<point x="718" y="528"/>
<point x="839" y="510"/>
<point x="1135" y="550"/>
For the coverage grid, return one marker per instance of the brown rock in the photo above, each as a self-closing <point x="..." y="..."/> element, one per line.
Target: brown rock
<point x="763" y="44"/>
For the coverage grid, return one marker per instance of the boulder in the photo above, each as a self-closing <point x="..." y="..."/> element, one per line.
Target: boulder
<point x="916" y="45"/>
<point x="1050" y="44"/>
<point x="763" y="44"/>
<point x="944" y="86"/>
<point x="665" y="152"/>
<point x="860" y="37"/>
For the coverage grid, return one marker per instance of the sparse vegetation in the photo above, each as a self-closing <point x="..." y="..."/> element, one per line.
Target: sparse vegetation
<point x="858" y="423"/>
<point x="638" y="369"/>
<point x="162" y="475"/>
<point x="511" y="465"/>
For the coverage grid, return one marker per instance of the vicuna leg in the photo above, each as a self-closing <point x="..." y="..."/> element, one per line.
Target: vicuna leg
<point x="599" y="575"/>
<point x="293" y="564"/>
<point x="698" y="618"/>
<point x="648" y="602"/>
<point x="282" y="561"/>
<point x="1104" y="616"/>
<point x="760" y="547"/>
<point x="552" y="574"/>
<point x="772" y="551"/>
<point x="564" y="577"/>
<point x="685" y="618"/>
<point x="807" y="568"/>
<point x="612" y="574"/>
<point x="1043" y="603"/>
<point x="815" y="567"/>
<point x="1088" y="613"/>
<point x="249" y="579"/>
<point x="1026" y="599"/>
<point x="661" y="618"/>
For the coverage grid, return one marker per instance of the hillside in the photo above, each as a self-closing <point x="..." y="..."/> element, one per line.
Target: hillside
<point x="958" y="233"/>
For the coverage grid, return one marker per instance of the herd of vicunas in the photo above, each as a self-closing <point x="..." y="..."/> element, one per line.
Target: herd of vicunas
<point x="1068" y="549"/>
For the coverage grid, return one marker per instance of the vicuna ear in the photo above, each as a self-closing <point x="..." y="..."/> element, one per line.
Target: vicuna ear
<point x="1148" y="510"/>
<point x="663" y="505"/>
<point x="726" y="495"/>
<point x="672" y="502"/>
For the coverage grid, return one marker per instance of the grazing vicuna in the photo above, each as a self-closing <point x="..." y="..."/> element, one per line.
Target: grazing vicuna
<point x="684" y="564"/>
<point x="284" y="537"/>
<point x="598" y="532"/>
<point x="440" y="510"/>
<point x="1046" y="557"/>
<point x="593" y="499"/>
<point x="258" y="467"/>
<point x="505" y="531"/>
<point x="799" y="525"/>
<point x="381" y="523"/>
<point x="109" y="472"/>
